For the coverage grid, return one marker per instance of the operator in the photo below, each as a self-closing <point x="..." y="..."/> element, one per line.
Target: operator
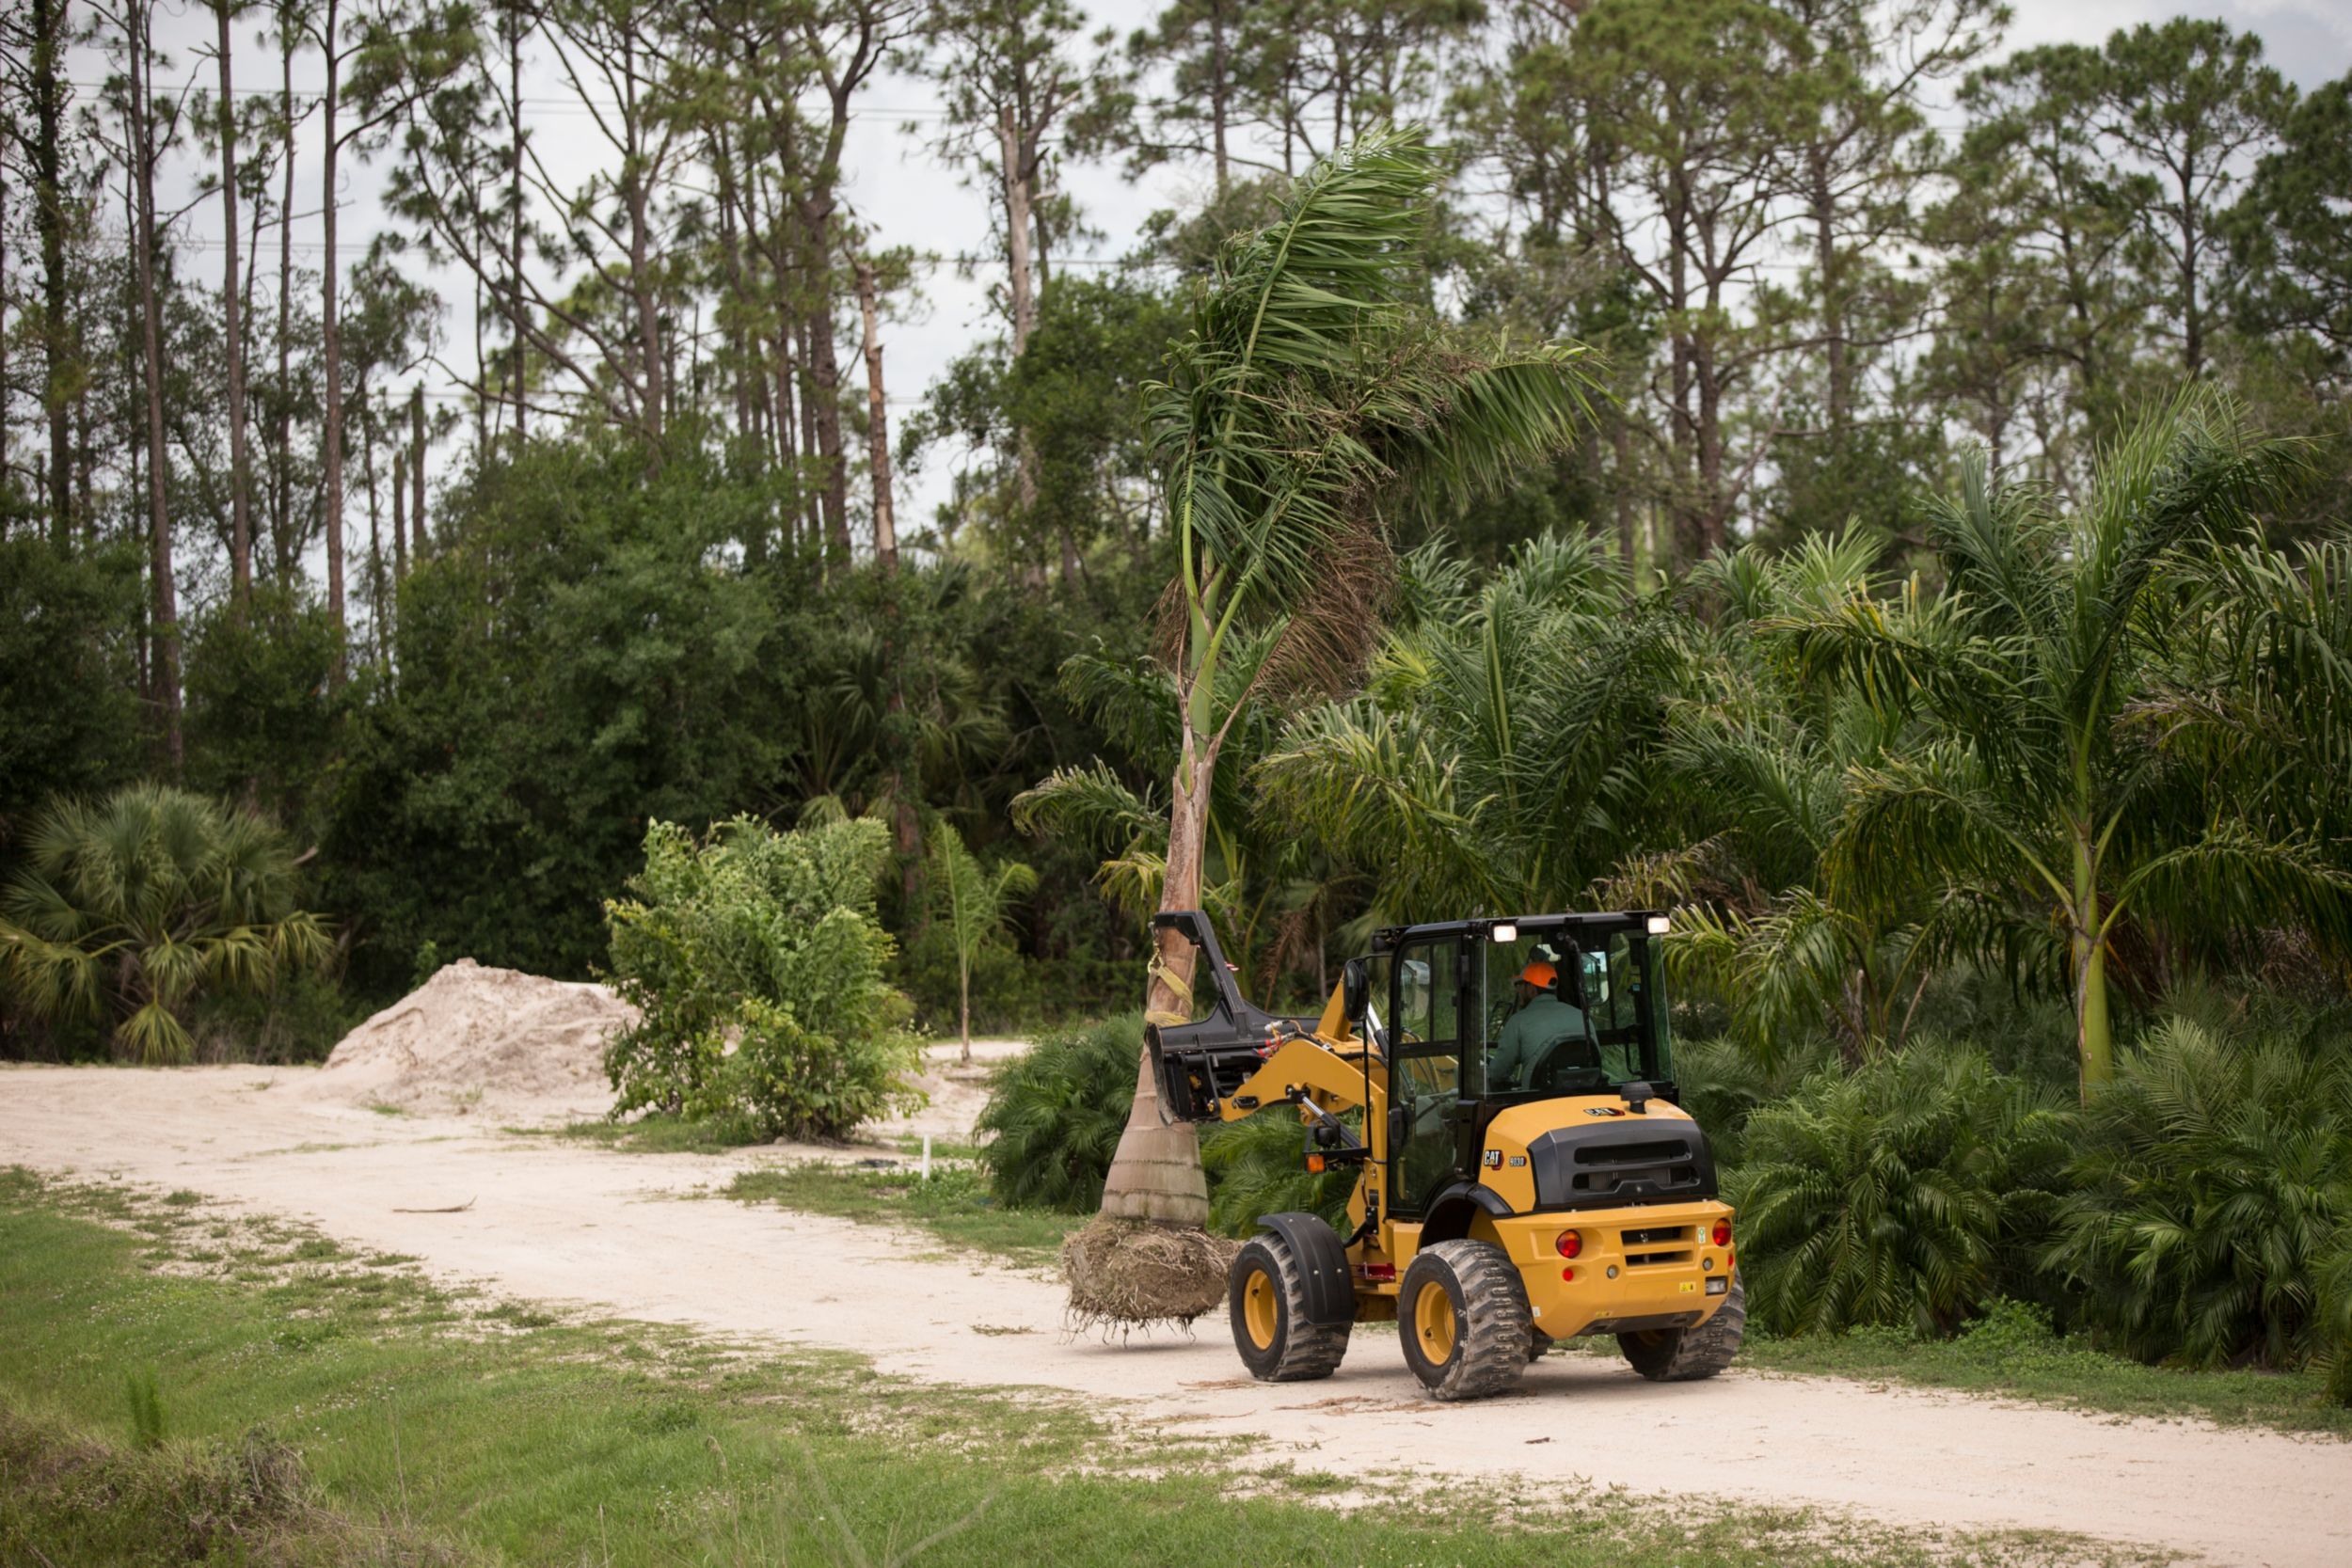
<point x="1540" y="1022"/>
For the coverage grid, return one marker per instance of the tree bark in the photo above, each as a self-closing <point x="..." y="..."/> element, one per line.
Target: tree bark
<point x="416" y="468"/>
<point x="1155" y="1172"/>
<point x="877" y="424"/>
<point x="48" y="222"/>
<point x="400" y="516"/>
<point x="240" y="470"/>
<point x="165" y="669"/>
<point x="330" y="332"/>
<point x="281" y="489"/>
<point x="514" y="218"/>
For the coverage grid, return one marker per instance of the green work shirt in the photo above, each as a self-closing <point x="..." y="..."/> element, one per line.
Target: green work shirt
<point x="1545" y="1021"/>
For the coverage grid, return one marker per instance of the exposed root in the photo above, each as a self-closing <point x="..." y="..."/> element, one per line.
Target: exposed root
<point x="1126" y="1275"/>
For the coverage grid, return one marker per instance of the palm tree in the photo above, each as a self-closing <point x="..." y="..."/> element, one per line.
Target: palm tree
<point x="125" y="912"/>
<point x="1311" y="401"/>
<point x="2019" y="674"/>
<point x="1763" y="760"/>
<point x="976" y="903"/>
<point x="1494" y="760"/>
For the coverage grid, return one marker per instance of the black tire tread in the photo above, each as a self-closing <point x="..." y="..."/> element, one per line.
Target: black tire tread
<point x="1495" y="1326"/>
<point x="1690" y="1354"/>
<point x="1302" y="1352"/>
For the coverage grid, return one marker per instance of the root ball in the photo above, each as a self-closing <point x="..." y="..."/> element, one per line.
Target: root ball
<point x="1123" y="1274"/>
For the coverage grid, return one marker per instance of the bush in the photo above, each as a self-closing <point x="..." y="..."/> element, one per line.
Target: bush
<point x="127" y="914"/>
<point x="1258" y="1167"/>
<point x="1908" y="1194"/>
<point x="2212" y="1221"/>
<point x="1055" y="1114"/>
<point x="759" y="966"/>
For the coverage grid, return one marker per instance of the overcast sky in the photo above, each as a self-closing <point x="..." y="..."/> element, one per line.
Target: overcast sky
<point x="900" y="191"/>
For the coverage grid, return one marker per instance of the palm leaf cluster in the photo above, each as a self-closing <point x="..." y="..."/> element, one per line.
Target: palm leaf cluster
<point x="1913" y="1192"/>
<point x="1494" y="759"/>
<point x="2212" y="1216"/>
<point x="1055" y="1114"/>
<point x="1314" y="398"/>
<point x="128" y="911"/>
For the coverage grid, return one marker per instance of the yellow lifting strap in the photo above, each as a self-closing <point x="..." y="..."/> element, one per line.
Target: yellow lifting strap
<point x="1181" y="984"/>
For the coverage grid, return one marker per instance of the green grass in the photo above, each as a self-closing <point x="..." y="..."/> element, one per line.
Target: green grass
<point x="2013" y="1351"/>
<point x="657" y="1132"/>
<point x="333" y="1414"/>
<point x="954" y="1205"/>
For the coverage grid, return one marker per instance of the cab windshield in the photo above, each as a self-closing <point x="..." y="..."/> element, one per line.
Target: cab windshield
<point x="1572" y="1009"/>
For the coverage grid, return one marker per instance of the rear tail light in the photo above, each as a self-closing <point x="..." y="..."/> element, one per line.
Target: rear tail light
<point x="1572" y="1242"/>
<point x="1721" y="1234"/>
<point x="1567" y="1274"/>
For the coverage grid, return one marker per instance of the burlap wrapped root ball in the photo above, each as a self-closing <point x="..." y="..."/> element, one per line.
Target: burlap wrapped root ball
<point x="1131" y="1273"/>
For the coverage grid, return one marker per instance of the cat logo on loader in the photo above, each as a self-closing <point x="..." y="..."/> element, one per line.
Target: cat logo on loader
<point x="1504" y="1089"/>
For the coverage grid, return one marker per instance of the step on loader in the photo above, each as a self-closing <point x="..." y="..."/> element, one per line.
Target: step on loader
<point x="1504" y="1091"/>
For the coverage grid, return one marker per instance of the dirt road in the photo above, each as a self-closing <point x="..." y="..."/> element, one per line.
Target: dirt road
<point x="616" y="1232"/>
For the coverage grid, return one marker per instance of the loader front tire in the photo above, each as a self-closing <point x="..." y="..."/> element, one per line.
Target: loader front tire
<point x="1686" y="1354"/>
<point x="1267" y="1293"/>
<point x="1462" y="1313"/>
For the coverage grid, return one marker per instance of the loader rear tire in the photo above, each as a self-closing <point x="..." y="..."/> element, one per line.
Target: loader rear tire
<point x="1267" y="1294"/>
<point x="1462" y="1313"/>
<point x="1686" y="1354"/>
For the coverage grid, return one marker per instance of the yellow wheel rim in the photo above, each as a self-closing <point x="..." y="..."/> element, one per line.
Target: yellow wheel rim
<point x="1259" y="1313"/>
<point x="1433" y="1321"/>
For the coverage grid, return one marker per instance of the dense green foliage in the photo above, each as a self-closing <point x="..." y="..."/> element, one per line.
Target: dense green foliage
<point x="1055" y="1113"/>
<point x="1912" y="1192"/>
<point x="761" y="973"/>
<point x="127" y="912"/>
<point x="2210" y="1207"/>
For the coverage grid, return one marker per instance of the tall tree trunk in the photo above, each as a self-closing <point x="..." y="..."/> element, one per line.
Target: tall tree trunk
<point x="239" y="468"/>
<point x="1830" y="265"/>
<point x="416" y="468"/>
<point x="1155" y="1172"/>
<point x="824" y="397"/>
<point x="400" y="515"/>
<point x="281" y="489"/>
<point x="1019" y="285"/>
<point x="331" y="335"/>
<point x="516" y="308"/>
<point x="906" y="823"/>
<point x="376" y="532"/>
<point x="877" y="423"/>
<point x="1220" y="95"/>
<point x="48" y="222"/>
<point x="166" y="673"/>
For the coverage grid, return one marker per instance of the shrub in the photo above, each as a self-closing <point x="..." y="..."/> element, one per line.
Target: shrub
<point x="1257" y="1166"/>
<point x="759" y="966"/>
<point x="128" y="912"/>
<point x="1909" y="1195"/>
<point x="1055" y="1114"/>
<point x="2212" y="1221"/>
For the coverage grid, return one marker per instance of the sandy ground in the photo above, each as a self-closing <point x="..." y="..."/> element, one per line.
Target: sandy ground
<point x="560" y="1221"/>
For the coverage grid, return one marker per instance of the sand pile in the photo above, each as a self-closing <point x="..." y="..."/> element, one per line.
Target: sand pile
<point x="478" y="1041"/>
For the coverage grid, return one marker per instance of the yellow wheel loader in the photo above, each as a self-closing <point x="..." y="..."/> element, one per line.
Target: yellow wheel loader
<point x="1504" y="1090"/>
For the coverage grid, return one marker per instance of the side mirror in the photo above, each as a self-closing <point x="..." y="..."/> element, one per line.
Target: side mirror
<point x="1355" y="990"/>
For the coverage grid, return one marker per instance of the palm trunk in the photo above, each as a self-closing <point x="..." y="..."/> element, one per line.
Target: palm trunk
<point x="1155" y="1172"/>
<point x="2094" y="1033"/>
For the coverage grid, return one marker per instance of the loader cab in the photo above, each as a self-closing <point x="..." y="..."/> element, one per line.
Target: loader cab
<point x="1466" y="1037"/>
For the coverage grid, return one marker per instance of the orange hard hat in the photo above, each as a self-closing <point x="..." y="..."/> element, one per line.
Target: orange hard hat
<point x="1539" y="975"/>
